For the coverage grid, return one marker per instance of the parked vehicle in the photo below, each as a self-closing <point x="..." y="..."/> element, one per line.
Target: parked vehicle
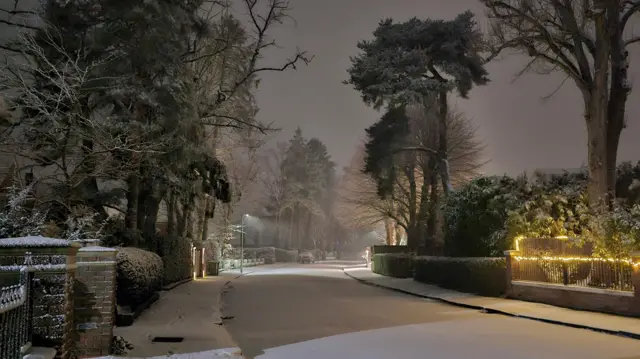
<point x="306" y="257"/>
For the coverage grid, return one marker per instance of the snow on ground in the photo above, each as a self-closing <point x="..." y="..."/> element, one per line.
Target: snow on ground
<point x="228" y="353"/>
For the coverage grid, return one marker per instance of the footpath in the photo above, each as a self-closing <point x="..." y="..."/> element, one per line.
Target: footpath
<point x="606" y="323"/>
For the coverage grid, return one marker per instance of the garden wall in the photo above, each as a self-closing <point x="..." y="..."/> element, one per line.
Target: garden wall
<point x="74" y="293"/>
<point x="591" y="299"/>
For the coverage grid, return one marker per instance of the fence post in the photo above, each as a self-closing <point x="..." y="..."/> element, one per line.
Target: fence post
<point x="510" y="261"/>
<point x="635" y="275"/>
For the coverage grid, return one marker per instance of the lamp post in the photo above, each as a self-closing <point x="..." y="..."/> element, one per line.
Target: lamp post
<point x="242" y="242"/>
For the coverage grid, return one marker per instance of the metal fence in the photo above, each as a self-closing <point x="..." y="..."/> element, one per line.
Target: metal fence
<point x="16" y="314"/>
<point x="563" y="261"/>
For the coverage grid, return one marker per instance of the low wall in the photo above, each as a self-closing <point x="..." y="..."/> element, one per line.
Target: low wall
<point x="581" y="298"/>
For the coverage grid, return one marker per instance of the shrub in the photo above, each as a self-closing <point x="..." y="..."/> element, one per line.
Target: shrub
<point x="286" y="255"/>
<point x="381" y="249"/>
<point x="266" y="253"/>
<point x="176" y="258"/>
<point x="483" y="276"/>
<point x="475" y="216"/>
<point x="139" y="275"/>
<point x="398" y="265"/>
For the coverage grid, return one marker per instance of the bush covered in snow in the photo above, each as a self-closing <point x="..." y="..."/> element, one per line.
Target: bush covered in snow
<point x="176" y="258"/>
<point x="266" y="253"/>
<point x="398" y="265"/>
<point x="18" y="218"/>
<point x="286" y="255"/>
<point x="475" y="216"/>
<point x="484" y="276"/>
<point x="484" y="216"/>
<point x="139" y="275"/>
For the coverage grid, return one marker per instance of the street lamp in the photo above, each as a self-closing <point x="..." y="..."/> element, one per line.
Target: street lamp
<point x="242" y="242"/>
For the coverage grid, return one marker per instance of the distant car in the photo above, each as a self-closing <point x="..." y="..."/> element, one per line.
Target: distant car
<point x="306" y="257"/>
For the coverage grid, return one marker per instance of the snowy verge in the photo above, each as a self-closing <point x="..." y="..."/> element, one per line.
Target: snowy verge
<point x="228" y="353"/>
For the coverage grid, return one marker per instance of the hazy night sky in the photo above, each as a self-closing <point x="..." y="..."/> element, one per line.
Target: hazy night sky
<point x="521" y="131"/>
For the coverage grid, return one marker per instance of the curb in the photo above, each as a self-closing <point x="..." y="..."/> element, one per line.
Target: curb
<point x="621" y="333"/>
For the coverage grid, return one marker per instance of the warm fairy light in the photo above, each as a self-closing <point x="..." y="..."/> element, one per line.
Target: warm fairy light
<point x="576" y="259"/>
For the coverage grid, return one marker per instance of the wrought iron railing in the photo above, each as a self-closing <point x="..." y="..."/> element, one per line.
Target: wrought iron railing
<point x="16" y="315"/>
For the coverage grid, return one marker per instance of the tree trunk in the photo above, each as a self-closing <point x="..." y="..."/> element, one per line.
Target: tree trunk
<point x="432" y="219"/>
<point x="171" y="209"/>
<point x="152" y="208"/>
<point x="278" y="241"/>
<point x="390" y="231"/>
<point x="309" y="238"/>
<point x="443" y="156"/>
<point x="133" y="182"/>
<point x="144" y="191"/>
<point x="400" y="232"/>
<point x="597" y="102"/>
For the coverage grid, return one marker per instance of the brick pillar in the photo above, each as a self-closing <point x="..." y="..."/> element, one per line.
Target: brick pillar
<point x="511" y="262"/>
<point x="635" y="279"/>
<point x="53" y="292"/>
<point x="95" y="300"/>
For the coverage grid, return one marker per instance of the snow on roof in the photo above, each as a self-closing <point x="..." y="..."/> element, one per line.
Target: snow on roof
<point x="34" y="241"/>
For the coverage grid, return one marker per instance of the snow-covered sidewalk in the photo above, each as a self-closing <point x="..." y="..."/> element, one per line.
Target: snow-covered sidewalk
<point x="611" y="324"/>
<point x="190" y="311"/>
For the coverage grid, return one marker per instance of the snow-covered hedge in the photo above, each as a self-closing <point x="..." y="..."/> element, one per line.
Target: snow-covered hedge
<point x="266" y="253"/>
<point x="176" y="258"/>
<point x="398" y="265"/>
<point x="139" y="275"/>
<point x="484" y="276"/>
<point x="286" y="255"/>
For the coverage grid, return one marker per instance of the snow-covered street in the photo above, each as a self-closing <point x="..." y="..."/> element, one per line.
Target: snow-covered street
<point x="316" y="312"/>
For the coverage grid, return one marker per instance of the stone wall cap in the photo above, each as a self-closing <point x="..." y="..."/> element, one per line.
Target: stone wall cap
<point x="35" y="242"/>
<point x="97" y="249"/>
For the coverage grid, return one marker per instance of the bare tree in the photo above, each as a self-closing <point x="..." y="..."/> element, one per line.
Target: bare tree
<point x="71" y="147"/>
<point x="358" y="205"/>
<point x="272" y="178"/>
<point x="584" y="40"/>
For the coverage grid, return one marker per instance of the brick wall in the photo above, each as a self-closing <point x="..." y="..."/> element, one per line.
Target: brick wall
<point x="94" y="297"/>
<point x="592" y="299"/>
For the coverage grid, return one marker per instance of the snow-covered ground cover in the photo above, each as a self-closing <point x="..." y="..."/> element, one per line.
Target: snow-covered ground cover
<point x="227" y="353"/>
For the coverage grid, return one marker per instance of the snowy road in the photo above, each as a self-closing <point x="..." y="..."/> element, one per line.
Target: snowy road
<point x="316" y="312"/>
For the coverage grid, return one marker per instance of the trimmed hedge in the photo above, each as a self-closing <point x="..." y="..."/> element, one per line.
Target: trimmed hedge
<point x="286" y="255"/>
<point x="139" y="276"/>
<point x="176" y="259"/>
<point x="266" y="253"/>
<point x="483" y="276"/>
<point x="384" y="248"/>
<point x="398" y="265"/>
